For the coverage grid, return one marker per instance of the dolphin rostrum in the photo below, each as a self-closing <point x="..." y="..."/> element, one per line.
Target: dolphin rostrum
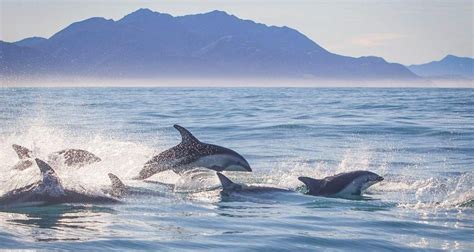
<point x="229" y="187"/>
<point x="49" y="190"/>
<point x="342" y="184"/>
<point x="70" y="157"/>
<point x="192" y="153"/>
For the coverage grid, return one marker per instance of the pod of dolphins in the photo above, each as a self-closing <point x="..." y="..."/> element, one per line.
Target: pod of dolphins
<point x="189" y="154"/>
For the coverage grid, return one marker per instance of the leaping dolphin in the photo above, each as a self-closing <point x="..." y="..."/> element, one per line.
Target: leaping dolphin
<point x="343" y="184"/>
<point x="70" y="157"/>
<point x="192" y="153"/>
<point x="25" y="156"/>
<point x="49" y="190"/>
<point x="75" y="157"/>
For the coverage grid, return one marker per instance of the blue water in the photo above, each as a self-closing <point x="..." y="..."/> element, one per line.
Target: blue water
<point x="420" y="140"/>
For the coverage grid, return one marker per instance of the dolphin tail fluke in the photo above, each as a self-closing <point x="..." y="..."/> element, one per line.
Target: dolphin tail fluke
<point x="313" y="185"/>
<point x="118" y="187"/>
<point x="226" y="182"/>
<point x="22" y="152"/>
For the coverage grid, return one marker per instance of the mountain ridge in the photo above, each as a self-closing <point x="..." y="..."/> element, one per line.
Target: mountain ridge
<point x="449" y="67"/>
<point x="153" y="44"/>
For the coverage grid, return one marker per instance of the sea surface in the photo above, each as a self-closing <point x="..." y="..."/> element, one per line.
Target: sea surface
<point x="420" y="140"/>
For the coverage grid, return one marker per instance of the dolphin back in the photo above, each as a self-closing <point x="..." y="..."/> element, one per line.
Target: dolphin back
<point x="74" y="157"/>
<point x="314" y="185"/>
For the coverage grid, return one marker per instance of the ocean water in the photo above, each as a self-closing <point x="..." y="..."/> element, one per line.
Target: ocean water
<point x="420" y="140"/>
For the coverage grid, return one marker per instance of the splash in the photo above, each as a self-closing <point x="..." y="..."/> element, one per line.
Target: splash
<point x="123" y="158"/>
<point x="440" y="193"/>
<point x="196" y="180"/>
<point x="286" y="174"/>
<point x="414" y="192"/>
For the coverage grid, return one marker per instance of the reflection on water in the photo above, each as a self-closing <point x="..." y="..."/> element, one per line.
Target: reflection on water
<point x="57" y="222"/>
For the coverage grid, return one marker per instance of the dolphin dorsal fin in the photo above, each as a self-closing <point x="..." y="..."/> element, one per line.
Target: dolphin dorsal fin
<point x="22" y="152"/>
<point x="186" y="136"/>
<point x="226" y="183"/>
<point x="118" y="187"/>
<point x="313" y="185"/>
<point x="51" y="182"/>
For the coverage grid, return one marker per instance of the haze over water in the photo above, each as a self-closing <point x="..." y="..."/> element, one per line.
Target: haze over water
<point x="420" y="140"/>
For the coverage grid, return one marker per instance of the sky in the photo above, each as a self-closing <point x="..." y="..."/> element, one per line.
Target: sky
<point x="402" y="31"/>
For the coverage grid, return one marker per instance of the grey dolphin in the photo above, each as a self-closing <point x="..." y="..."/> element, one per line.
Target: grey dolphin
<point x="348" y="183"/>
<point x="70" y="157"/>
<point x="230" y="187"/>
<point x="21" y="151"/>
<point x="49" y="190"/>
<point x="192" y="153"/>
<point x="120" y="190"/>
<point x="75" y="157"/>
<point x="25" y="156"/>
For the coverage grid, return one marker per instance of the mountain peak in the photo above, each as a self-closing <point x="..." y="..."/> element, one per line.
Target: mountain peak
<point x="218" y="13"/>
<point x="142" y="15"/>
<point x="449" y="57"/>
<point x="30" y="42"/>
<point x="454" y="57"/>
<point x="450" y="65"/>
<point x="213" y="15"/>
<point x="91" y="22"/>
<point x="142" y="12"/>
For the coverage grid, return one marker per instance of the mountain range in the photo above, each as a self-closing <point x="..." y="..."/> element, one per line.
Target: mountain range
<point x="450" y="67"/>
<point x="215" y="44"/>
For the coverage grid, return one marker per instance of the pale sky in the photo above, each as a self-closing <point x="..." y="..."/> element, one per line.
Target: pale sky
<point x="404" y="31"/>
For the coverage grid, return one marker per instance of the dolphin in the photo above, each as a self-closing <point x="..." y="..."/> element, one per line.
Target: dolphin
<point x="229" y="187"/>
<point x="192" y="153"/>
<point x="120" y="190"/>
<point x="70" y="157"/>
<point x="343" y="184"/>
<point x="49" y="190"/>
<point x="25" y="155"/>
<point x="75" y="157"/>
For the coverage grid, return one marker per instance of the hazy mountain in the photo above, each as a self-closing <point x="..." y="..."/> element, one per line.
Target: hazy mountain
<point x="18" y="60"/>
<point x="30" y="42"/>
<point x="449" y="67"/>
<point x="146" y="43"/>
